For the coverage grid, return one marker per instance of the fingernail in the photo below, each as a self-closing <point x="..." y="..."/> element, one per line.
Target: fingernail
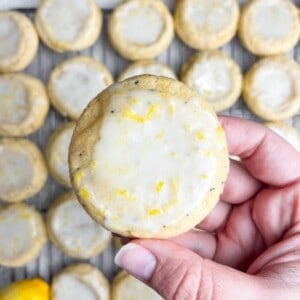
<point x="136" y="260"/>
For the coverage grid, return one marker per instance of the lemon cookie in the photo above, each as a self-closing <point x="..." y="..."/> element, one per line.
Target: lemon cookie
<point x="22" y="234"/>
<point x="151" y="67"/>
<point x="65" y="25"/>
<point x="75" y="82"/>
<point x="57" y="153"/>
<point x="272" y="88"/>
<point x="18" y="41"/>
<point x="126" y="287"/>
<point x="269" y="27"/>
<point x="287" y="132"/>
<point x="23" y="171"/>
<point x="206" y="25"/>
<point x="215" y="76"/>
<point x="141" y="149"/>
<point x="141" y="29"/>
<point x="73" y="231"/>
<point x="80" y="281"/>
<point x="23" y="104"/>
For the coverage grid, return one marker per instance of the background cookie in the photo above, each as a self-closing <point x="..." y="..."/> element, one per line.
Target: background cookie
<point x="151" y="67"/>
<point x="22" y="234"/>
<point x="141" y="29"/>
<point x="215" y="76"/>
<point x="272" y="88"/>
<point x="75" y="82"/>
<point x="205" y="25"/>
<point x="148" y="124"/>
<point x="22" y="169"/>
<point x="269" y="27"/>
<point x="57" y="153"/>
<point x="24" y="104"/>
<point x="18" y="41"/>
<point x="73" y="231"/>
<point x="80" y="281"/>
<point x="65" y="25"/>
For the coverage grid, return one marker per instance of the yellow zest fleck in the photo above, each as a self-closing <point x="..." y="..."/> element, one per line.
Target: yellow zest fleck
<point x="129" y="114"/>
<point x="25" y="215"/>
<point x="78" y="176"/>
<point x="159" y="186"/>
<point x="171" y="109"/>
<point x="93" y="164"/>
<point x="200" y="136"/>
<point x="187" y="127"/>
<point x="154" y="212"/>
<point x="209" y="153"/>
<point x="203" y="176"/>
<point x="163" y="94"/>
<point x="159" y="135"/>
<point x="84" y="193"/>
<point x="220" y="130"/>
<point x="122" y="192"/>
<point x="134" y="101"/>
<point x="173" y="153"/>
<point x="115" y="218"/>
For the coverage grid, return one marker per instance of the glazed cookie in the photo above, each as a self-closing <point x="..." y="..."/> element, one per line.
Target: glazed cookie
<point x="141" y="29"/>
<point x="151" y="67"/>
<point x="126" y="287"/>
<point x="73" y="231"/>
<point x="23" y="170"/>
<point x="75" y="82"/>
<point x="23" y="104"/>
<point x="80" y="281"/>
<point x="140" y="149"/>
<point x="215" y="76"/>
<point x="287" y="132"/>
<point x="65" y="25"/>
<point x="272" y="88"/>
<point x="206" y="25"/>
<point x="269" y="27"/>
<point x="18" y="41"/>
<point x="22" y="234"/>
<point x="57" y="153"/>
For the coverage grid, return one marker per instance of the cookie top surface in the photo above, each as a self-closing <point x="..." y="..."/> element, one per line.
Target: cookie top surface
<point x="73" y="230"/>
<point x="21" y="228"/>
<point x="215" y="76"/>
<point x="155" y="144"/>
<point x="75" y="82"/>
<point x="80" y="281"/>
<point x="269" y="26"/>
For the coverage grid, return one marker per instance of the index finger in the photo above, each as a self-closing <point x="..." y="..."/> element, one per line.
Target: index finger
<point x="267" y="156"/>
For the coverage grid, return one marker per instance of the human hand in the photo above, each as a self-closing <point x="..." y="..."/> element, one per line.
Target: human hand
<point x="249" y="246"/>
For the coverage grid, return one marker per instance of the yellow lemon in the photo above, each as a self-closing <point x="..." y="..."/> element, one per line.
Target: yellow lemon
<point x="32" y="289"/>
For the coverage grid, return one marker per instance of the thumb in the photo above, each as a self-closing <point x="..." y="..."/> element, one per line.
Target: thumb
<point x="178" y="273"/>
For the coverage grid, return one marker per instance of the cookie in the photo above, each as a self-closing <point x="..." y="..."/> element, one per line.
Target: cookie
<point x="24" y="104"/>
<point x="151" y="67"/>
<point x="75" y="82"/>
<point x="140" y="150"/>
<point x="272" y="88"/>
<point x="22" y="234"/>
<point x="215" y="76"/>
<point x="141" y="29"/>
<point x="73" y="231"/>
<point x="269" y="27"/>
<point x="126" y="287"/>
<point x="23" y="171"/>
<point x="65" y="25"/>
<point x="287" y="132"/>
<point x="80" y="281"/>
<point x="18" y="41"/>
<point x="206" y="25"/>
<point x="57" y="153"/>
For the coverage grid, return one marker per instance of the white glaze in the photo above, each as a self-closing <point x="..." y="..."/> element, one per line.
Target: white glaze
<point x="133" y="289"/>
<point x="16" y="171"/>
<point x="76" y="230"/>
<point x="77" y="85"/>
<point x="272" y="19"/>
<point x="211" y="78"/>
<point x="17" y="232"/>
<point x="65" y="19"/>
<point x="153" y="68"/>
<point x="13" y="101"/>
<point x="272" y="86"/>
<point x="140" y="24"/>
<point x="212" y="15"/>
<point x="147" y="140"/>
<point x="9" y="38"/>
